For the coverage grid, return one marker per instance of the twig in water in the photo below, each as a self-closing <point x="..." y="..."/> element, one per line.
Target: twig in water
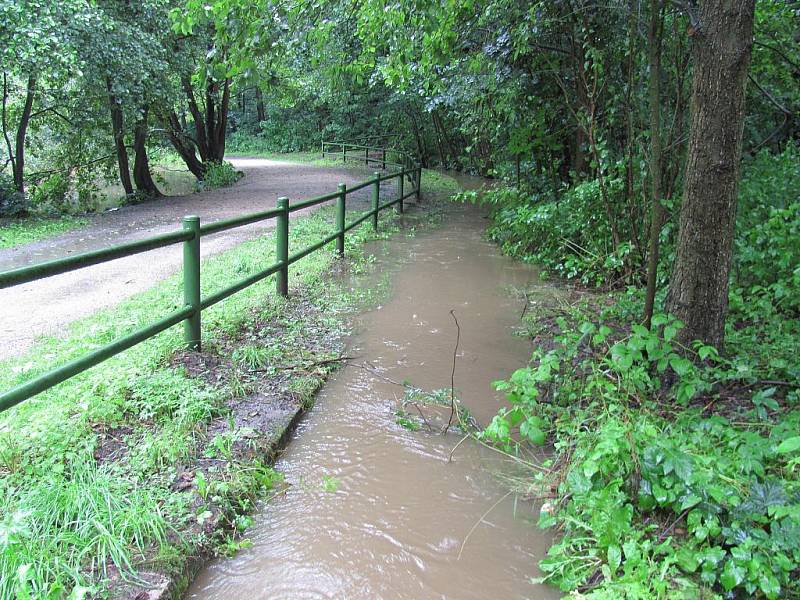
<point x="421" y="414"/>
<point x="478" y="522"/>
<point x="453" y="374"/>
<point x="453" y="451"/>
<point x="527" y="303"/>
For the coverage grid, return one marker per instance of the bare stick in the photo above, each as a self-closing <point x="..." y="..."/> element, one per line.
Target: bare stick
<point x="453" y="451"/>
<point x="478" y="522"/>
<point x="453" y="374"/>
<point x="421" y="414"/>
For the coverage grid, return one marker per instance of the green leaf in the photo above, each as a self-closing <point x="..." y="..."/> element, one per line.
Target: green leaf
<point x="680" y="365"/>
<point x="732" y="575"/>
<point x="614" y="556"/>
<point x="788" y="445"/>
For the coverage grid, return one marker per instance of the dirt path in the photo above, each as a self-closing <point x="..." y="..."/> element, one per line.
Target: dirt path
<point x="44" y="307"/>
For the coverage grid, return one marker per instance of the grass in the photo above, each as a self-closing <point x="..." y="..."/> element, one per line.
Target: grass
<point x="24" y="231"/>
<point x="68" y="514"/>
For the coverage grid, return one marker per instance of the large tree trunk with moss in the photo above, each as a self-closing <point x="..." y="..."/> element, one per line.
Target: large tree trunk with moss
<point x="698" y="293"/>
<point x="141" y="165"/>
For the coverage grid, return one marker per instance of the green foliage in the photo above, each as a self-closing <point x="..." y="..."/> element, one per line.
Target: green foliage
<point x="659" y="499"/>
<point x="221" y="174"/>
<point x="48" y="197"/>
<point x="12" y="202"/>
<point x="105" y="517"/>
<point x="569" y="235"/>
<point x="767" y="251"/>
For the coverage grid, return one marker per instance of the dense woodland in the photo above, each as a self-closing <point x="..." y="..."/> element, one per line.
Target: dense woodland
<point x="646" y="150"/>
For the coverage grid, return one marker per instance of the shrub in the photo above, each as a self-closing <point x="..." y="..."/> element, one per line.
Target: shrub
<point x="49" y="196"/>
<point x="220" y="174"/>
<point x="12" y="202"/>
<point x="567" y="235"/>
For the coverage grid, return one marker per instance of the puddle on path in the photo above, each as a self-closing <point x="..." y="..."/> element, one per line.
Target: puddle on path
<point x="395" y="524"/>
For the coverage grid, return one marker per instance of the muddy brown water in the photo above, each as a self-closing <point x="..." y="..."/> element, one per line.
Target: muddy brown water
<point x="374" y="510"/>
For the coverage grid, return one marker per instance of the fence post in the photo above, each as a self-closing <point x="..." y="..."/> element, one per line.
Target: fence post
<point x="366" y="156"/>
<point x="383" y="159"/>
<point x="376" y="199"/>
<point x="344" y="153"/>
<point x="282" y="246"/>
<point x="191" y="282"/>
<point x="402" y="176"/>
<point x="419" y="182"/>
<point x="323" y="149"/>
<point x="340" y="211"/>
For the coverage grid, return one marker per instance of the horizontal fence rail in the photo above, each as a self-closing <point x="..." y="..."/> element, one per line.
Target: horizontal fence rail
<point x="189" y="236"/>
<point x="371" y="155"/>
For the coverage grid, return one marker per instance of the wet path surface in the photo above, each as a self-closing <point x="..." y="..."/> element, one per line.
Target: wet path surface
<point x="44" y="307"/>
<point x="375" y="510"/>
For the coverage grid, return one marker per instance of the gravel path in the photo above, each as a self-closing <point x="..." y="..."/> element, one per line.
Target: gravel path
<point x="43" y="307"/>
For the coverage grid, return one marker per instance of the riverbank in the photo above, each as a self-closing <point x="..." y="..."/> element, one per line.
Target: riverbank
<point x="124" y="472"/>
<point x="375" y="506"/>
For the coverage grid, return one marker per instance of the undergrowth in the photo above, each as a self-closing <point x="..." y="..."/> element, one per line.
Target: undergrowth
<point x="673" y="469"/>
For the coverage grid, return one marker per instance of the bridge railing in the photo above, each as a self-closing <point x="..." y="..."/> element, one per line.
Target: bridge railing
<point x="190" y="235"/>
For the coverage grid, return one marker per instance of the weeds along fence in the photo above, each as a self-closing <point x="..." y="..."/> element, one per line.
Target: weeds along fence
<point x="190" y="235"/>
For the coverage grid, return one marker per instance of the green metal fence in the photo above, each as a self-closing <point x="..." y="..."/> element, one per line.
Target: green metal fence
<point x="370" y="155"/>
<point x="190" y="235"/>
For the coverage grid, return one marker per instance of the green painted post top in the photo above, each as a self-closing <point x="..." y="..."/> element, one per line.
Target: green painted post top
<point x="283" y="202"/>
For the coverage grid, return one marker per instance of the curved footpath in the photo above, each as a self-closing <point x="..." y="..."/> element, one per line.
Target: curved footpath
<point x="44" y="307"/>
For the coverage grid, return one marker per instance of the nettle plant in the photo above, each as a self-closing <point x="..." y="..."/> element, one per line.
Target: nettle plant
<point x="654" y="497"/>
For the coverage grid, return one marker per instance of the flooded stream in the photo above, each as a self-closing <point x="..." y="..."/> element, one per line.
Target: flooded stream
<point x="375" y="510"/>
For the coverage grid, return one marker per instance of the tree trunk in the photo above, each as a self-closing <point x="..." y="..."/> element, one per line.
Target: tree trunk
<point x="118" y="132"/>
<point x="630" y="69"/>
<point x="199" y="125"/>
<point x="184" y="145"/>
<point x="221" y="125"/>
<point x="698" y="292"/>
<point x="654" y="38"/>
<point x="261" y="113"/>
<point x="10" y="150"/>
<point x="141" y="165"/>
<point x="580" y="165"/>
<point x="22" y="131"/>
